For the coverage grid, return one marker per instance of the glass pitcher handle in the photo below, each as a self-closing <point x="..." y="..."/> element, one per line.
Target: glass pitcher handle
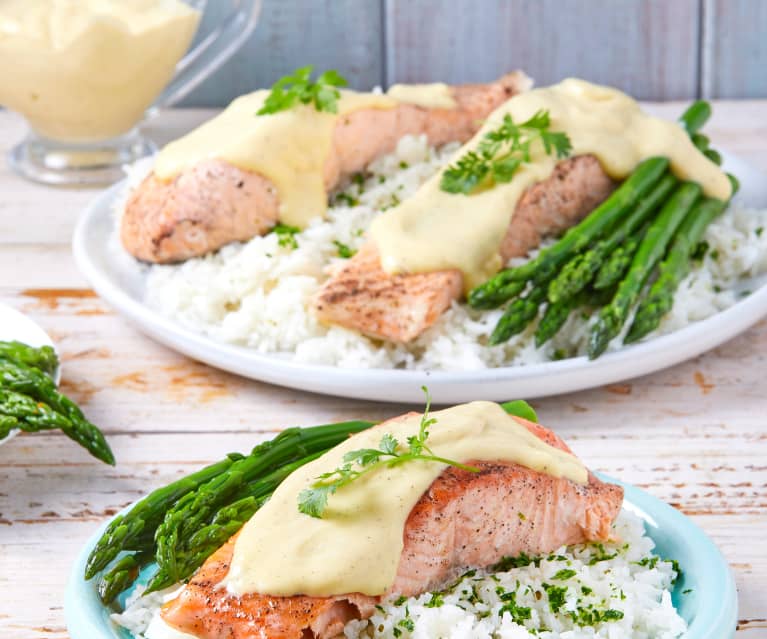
<point x="215" y="49"/>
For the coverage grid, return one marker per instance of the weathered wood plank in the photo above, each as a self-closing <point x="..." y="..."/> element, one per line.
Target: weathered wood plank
<point x="734" y="48"/>
<point x="646" y="48"/>
<point x="330" y="34"/>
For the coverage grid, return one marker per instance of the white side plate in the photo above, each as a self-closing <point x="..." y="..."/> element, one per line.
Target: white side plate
<point x="117" y="280"/>
<point x="16" y="326"/>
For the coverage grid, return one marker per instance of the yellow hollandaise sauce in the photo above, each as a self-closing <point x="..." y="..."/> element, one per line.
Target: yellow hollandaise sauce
<point x="357" y="544"/>
<point x="288" y="147"/>
<point x="435" y="230"/>
<point x="436" y="95"/>
<point x="86" y="70"/>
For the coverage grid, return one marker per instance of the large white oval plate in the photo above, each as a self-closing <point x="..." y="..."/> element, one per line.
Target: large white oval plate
<point x="118" y="281"/>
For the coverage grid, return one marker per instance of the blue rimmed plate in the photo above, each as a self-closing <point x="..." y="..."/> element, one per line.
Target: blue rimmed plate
<point x="710" y="606"/>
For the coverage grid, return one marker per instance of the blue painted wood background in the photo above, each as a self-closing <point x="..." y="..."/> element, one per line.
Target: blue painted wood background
<point x="654" y="49"/>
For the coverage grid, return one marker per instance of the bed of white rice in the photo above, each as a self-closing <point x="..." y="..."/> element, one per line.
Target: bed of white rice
<point x="617" y="590"/>
<point x="257" y="293"/>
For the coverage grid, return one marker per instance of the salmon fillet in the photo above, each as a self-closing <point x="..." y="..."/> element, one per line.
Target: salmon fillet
<point x="465" y="520"/>
<point x="214" y="203"/>
<point x="363" y="297"/>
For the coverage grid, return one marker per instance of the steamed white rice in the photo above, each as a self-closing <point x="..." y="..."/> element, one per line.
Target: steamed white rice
<point x="617" y="590"/>
<point x="257" y="294"/>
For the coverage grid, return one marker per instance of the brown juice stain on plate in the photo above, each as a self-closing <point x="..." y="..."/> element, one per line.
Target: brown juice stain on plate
<point x="705" y="387"/>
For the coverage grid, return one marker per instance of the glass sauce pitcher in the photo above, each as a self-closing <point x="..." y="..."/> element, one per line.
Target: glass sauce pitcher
<point x="85" y="73"/>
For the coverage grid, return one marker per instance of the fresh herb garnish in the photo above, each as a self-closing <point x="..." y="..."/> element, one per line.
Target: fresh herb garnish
<point x="601" y="554"/>
<point x="501" y="152"/>
<point x="286" y="235"/>
<point x="520" y="561"/>
<point x="699" y="252"/>
<point x="313" y="500"/>
<point x="394" y="201"/>
<point x="648" y="562"/>
<point x="347" y="199"/>
<point x="565" y="573"/>
<point x="436" y="601"/>
<point x="298" y="88"/>
<point x="557" y="596"/>
<point x="676" y="568"/>
<point x="344" y="251"/>
<point x="518" y="613"/>
<point x="590" y="616"/>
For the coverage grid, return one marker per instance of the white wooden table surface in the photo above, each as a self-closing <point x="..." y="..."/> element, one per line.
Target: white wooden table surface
<point x="694" y="435"/>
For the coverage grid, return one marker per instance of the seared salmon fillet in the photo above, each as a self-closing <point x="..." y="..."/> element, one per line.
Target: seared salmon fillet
<point x="464" y="520"/>
<point x="363" y="297"/>
<point x="214" y="203"/>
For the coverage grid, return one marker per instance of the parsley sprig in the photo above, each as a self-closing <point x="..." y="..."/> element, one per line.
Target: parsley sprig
<point x="501" y="152"/>
<point x="298" y="88"/>
<point x="312" y="501"/>
<point x="286" y="235"/>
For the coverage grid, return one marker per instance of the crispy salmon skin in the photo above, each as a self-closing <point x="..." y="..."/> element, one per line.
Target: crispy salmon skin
<point x="464" y="520"/>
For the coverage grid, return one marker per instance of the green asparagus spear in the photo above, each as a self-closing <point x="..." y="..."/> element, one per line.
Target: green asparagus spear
<point x="7" y="424"/>
<point x="556" y="313"/>
<point x="179" y="551"/>
<point x="674" y="267"/>
<point x="122" y="575"/>
<point x="136" y="529"/>
<point x="196" y="509"/>
<point x="31" y="381"/>
<point x="578" y="272"/>
<point x="31" y="415"/>
<point x="714" y="156"/>
<point x="553" y="319"/>
<point x="696" y="116"/>
<point x="651" y="249"/>
<point x="502" y="293"/>
<point x="544" y="265"/>
<point x="518" y="316"/>
<point x="124" y="531"/>
<point x="615" y="266"/>
<point x="700" y="141"/>
<point x="43" y="358"/>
